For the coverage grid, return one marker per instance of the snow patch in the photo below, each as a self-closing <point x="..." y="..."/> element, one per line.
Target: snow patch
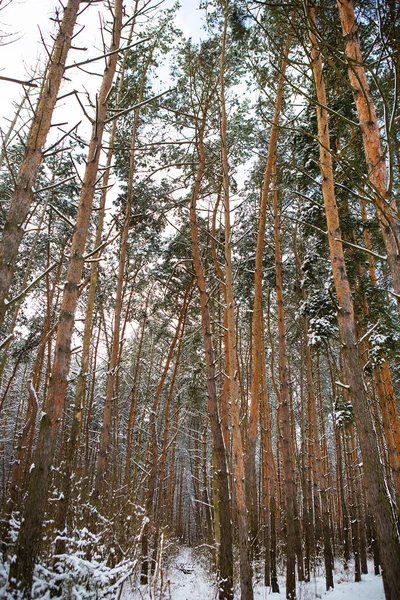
<point x="187" y="578"/>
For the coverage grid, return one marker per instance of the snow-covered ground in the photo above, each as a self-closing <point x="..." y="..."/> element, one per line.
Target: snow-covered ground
<point x="185" y="577"/>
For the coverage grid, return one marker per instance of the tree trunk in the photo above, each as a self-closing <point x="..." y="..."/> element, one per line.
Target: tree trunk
<point x="16" y="487"/>
<point x="164" y="447"/>
<point x="24" y="283"/>
<point x="384" y="386"/>
<point x="133" y="399"/>
<point x="21" y="571"/>
<point x="170" y="494"/>
<point x="224" y="398"/>
<point x="80" y="392"/>
<point x="375" y="157"/>
<point x="246" y="584"/>
<point x="24" y="190"/>
<point x="284" y="404"/>
<point x="109" y="402"/>
<point x="378" y="499"/>
<point x="343" y="504"/>
<point x="257" y="317"/>
<point x="354" y="524"/>
<point x="315" y="448"/>
<point x="225" y="582"/>
<point x="269" y="487"/>
<point x="152" y="450"/>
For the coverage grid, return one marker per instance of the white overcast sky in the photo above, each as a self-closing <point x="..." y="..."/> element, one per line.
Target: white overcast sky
<point x="26" y="18"/>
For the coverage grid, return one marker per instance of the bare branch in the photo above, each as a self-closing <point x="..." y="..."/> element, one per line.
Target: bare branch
<point x="13" y="80"/>
<point x="63" y="217"/>
<point x="384" y="258"/>
<point x="31" y="285"/>
<point x="139" y="105"/>
<point x="54" y="185"/>
<point x="89" y="60"/>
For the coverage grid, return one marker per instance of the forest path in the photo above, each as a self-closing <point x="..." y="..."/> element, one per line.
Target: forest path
<point x="186" y="578"/>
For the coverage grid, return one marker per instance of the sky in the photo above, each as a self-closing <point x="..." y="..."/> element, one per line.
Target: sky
<point x="28" y="19"/>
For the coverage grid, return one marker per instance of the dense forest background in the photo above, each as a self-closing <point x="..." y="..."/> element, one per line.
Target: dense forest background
<point x="199" y="298"/>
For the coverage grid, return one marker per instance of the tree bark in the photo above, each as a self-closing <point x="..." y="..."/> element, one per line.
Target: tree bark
<point x="109" y="402"/>
<point x="21" y="571"/>
<point x="354" y="524"/>
<point x="80" y="392"/>
<point x="224" y="502"/>
<point x="315" y="448"/>
<point x="257" y="317"/>
<point x="269" y="488"/>
<point x="377" y="170"/>
<point x="378" y="499"/>
<point x="152" y="450"/>
<point x="246" y="584"/>
<point x="384" y="385"/>
<point x="24" y="191"/>
<point x="164" y="447"/>
<point x="284" y="404"/>
<point x="133" y="400"/>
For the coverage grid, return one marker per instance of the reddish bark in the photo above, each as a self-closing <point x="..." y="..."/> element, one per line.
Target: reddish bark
<point x="246" y="584"/>
<point x="24" y="191"/>
<point x="152" y="449"/>
<point x="21" y="571"/>
<point x="110" y="402"/>
<point x="378" y="499"/>
<point x="285" y="412"/>
<point x="257" y="346"/>
<point x="224" y="501"/>
<point x="377" y="170"/>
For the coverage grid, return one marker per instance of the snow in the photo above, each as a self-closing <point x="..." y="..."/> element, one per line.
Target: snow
<point x="186" y="577"/>
<point x="75" y="579"/>
<point x="186" y="574"/>
<point x="369" y="588"/>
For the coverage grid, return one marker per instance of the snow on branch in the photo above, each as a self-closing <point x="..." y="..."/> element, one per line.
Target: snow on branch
<point x="31" y="285"/>
<point x="384" y="258"/>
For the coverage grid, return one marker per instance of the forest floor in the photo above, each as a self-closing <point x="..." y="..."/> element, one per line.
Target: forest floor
<point x="186" y="576"/>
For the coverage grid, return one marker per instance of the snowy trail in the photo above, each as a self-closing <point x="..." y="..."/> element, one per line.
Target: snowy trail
<point x="187" y="579"/>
